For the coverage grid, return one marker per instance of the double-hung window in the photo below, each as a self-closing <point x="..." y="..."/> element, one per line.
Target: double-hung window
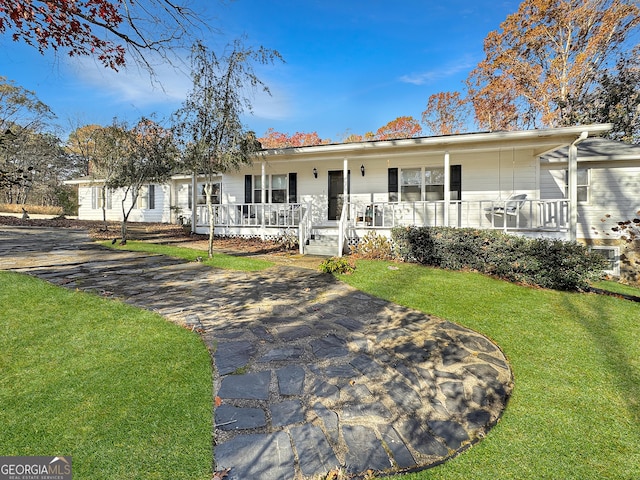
<point x="411" y="185"/>
<point x="583" y="180"/>
<point x="419" y="184"/>
<point x="101" y="198"/>
<point x="434" y="184"/>
<point x="147" y="197"/>
<point x="257" y="189"/>
<point x="279" y="188"/>
<point x="202" y="193"/>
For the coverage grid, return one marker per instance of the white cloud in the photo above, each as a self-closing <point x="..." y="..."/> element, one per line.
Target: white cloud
<point x="447" y="70"/>
<point x="135" y="85"/>
<point x="169" y="87"/>
<point x="276" y="106"/>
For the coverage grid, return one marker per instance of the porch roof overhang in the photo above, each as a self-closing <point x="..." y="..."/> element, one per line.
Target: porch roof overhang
<point x="540" y="141"/>
<point x="81" y="181"/>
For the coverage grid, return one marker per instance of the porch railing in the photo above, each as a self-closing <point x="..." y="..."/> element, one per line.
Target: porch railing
<point x="252" y="215"/>
<point x="552" y="215"/>
<point x="541" y="215"/>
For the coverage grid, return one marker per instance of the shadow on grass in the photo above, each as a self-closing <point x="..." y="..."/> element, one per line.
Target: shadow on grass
<point x="607" y="331"/>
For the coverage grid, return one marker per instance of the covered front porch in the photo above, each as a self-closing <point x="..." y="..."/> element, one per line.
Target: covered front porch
<point x="358" y="217"/>
<point x="330" y="196"/>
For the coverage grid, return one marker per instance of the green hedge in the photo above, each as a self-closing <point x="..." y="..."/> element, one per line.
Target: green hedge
<point x="547" y="263"/>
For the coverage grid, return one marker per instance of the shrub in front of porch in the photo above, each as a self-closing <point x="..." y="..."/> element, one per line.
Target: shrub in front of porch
<point x="547" y="263"/>
<point x="340" y="265"/>
<point x="374" y="247"/>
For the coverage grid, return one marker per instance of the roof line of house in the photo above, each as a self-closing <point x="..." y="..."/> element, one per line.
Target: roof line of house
<point x="445" y="140"/>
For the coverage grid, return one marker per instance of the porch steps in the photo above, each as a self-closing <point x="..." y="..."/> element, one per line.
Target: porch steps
<point x="322" y="245"/>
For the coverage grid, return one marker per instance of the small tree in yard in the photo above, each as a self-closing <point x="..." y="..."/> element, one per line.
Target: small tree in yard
<point x="100" y="148"/>
<point x="149" y="157"/>
<point x="208" y="126"/>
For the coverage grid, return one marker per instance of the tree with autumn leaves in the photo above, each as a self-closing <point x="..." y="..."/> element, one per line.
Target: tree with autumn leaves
<point x="551" y="63"/>
<point x="401" y="127"/>
<point x="147" y="155"/>
<point x="107" y="30"/>
<point x="273" y="139"/>
<point x="545" y="59"/>
<point x="446" y="113"/>
<point x="208" y="126"/>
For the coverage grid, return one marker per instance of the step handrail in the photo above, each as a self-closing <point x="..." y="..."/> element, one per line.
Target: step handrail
<point x="304" y="230"/>
<point x="342" y="230"/>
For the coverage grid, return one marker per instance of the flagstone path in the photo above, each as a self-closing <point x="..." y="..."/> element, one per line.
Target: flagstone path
<point x="310" y="373"/>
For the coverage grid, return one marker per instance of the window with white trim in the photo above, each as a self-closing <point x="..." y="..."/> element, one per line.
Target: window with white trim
<point x="277" y="188"/>
<point x="215" y="193"/>
<point x="434" y="183"/>
<point x="411" y="185"/>
<point x="257" y="189"/>
<point x="101" y="197"/>
<point x="147" y="197"/>
<point x="612" y="256"/>
<point x="419" y="184"/>
<point x="583" y="181"/>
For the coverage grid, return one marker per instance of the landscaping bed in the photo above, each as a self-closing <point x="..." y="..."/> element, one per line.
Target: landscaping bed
<point x="155" y="232"/>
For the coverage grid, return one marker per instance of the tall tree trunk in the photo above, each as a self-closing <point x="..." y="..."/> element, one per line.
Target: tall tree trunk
<point x="123" y="231"/>
<point x="104" y="207"/>
<point x="125" y="215"/>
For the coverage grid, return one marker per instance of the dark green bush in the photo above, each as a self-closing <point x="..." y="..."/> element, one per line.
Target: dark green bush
<point x="547" y="263"/>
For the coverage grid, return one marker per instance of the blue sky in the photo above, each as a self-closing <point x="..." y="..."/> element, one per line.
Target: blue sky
<point x="351" y="66"/>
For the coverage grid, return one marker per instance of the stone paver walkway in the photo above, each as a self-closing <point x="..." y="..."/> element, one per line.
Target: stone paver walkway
<point x="311" y="373"/>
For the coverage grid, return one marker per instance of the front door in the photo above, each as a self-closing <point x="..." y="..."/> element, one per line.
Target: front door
<point x="336" y="193"/>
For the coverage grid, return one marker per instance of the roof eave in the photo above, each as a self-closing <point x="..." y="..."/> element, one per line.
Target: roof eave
<point x="562" y="134"/>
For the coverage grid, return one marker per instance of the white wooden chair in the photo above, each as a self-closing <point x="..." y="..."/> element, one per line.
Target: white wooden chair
<point x="510" y="206"/>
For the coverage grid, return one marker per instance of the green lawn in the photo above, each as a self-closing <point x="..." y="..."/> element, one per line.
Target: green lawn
<point x="124" y="392"/>
<point x="575" y="409"/>
<point x="129" y="395"/>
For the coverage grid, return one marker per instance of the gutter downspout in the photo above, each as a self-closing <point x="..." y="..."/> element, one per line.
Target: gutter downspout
<point x="573" y="186"/>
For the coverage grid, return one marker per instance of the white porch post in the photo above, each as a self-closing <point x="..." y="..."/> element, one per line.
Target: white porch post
<point x="573" y="191"/>
<point x="573" y="186"/>
<point x="263" y="193"/>
<point x="345" y="202"/>
<point x="263" y="196"/>
<point x="447" y="188"/>
<point x="345" y="182"/>
<point x="194" y="196"/>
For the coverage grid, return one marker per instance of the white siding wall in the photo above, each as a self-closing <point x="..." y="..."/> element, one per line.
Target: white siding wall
<point x="552" y="183"/>
<point x="161" y="213"/>
<point x="613" y="190"/>
<point x="485" y="176"/>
